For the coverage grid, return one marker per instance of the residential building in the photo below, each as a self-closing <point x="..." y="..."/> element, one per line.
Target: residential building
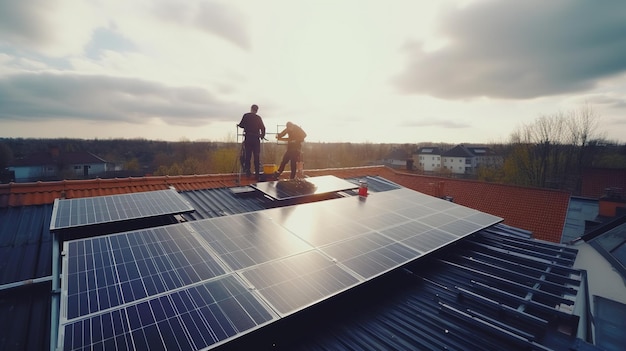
<point x="56" y="165"/>
<point x="465" y="159"/>
<point x="398" y="158"/>
<point x="494" y="287"/>
<point x="428" y="158"/>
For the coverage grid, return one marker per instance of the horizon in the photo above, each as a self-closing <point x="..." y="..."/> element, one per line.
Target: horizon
<point x="350" y="71"/>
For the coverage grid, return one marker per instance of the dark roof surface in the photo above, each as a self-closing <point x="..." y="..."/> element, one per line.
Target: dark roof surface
<point x="497" y="286"/>
<point x="429" y="151"/>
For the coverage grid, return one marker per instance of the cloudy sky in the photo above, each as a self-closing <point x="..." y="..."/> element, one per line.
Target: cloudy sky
<point x="403" y="71"/>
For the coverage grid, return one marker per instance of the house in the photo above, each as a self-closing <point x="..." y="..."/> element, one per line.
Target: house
<point x="428" y="158"/>
<point x="496" y="288"/>
<point x="398" y="158"/>
<point x="53" y="165"/>
<point x="465" y="159"/>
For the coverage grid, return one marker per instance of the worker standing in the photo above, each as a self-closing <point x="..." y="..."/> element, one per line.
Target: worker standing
<point x="254" y="131"/>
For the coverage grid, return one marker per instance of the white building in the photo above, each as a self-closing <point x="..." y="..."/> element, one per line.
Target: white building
<point x="463" y="159"/>
<point x="428" y="158"/>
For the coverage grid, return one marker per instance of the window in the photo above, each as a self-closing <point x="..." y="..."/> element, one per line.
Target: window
<point x="610" y="323"/>
<point x="612" y="245"/>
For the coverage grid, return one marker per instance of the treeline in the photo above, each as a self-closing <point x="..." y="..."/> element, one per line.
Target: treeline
<point x="550" y="152"/>
<point x="150" y="157"/>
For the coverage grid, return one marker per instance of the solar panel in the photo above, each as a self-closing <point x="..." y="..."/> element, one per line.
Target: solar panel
<point x="294" y="188"/>
<point x="199" y="284"/>
<point x="70" y="213"/>
<point x="113" y="270"/>
<point x="199" y="316"/>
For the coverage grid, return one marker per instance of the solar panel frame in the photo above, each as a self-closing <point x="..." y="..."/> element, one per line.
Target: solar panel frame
<point x="317" y="186"/>
<point x="91" y="211"/>
<point x="285" y="259"/>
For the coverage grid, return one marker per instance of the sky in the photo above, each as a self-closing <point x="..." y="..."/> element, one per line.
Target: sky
<point x="402" y="71"/>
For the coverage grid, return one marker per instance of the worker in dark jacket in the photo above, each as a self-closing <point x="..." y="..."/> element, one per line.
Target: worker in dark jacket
<point x="294" y="136"/>
<point x="254" y="131"/>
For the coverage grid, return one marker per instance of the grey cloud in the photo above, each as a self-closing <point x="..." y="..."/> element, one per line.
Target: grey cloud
<point x="521" y="50"/>
<point x="211" y="16"/>
<point x="615" y="102"/>
<point x="24" y="21"/>
<point x="71" y="96"/>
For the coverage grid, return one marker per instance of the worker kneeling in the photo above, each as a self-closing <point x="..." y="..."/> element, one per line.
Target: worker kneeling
<point x="294" y="136"/>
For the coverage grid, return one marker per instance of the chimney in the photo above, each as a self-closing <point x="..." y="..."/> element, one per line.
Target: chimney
<point x="611" y="201"/>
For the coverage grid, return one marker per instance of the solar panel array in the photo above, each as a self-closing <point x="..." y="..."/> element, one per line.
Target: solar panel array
<point x="71" y="213"/>
<point x="200" y="284"/>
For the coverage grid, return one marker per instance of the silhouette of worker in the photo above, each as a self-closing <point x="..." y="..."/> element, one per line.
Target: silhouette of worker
<point x="294" y="136"/>
<point x="254" y="131"/>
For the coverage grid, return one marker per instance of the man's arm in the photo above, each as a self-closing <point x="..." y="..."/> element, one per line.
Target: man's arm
<point x="280" y="136"/>
<point x="242" y="124"/>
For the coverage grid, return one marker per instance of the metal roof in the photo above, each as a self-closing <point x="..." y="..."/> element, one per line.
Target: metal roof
<point x="498" y="286"/>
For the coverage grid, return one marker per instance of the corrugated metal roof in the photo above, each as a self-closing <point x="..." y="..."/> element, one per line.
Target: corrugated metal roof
<point x="28" y="225"/>
<point x="495" y="290"/>
<point x="25" y="243"/>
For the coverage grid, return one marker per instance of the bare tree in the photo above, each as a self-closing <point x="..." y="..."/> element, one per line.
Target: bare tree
<point x="550" y="152"/>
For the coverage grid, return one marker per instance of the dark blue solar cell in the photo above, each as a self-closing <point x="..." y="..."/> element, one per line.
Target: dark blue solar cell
<point x="72" y="284"/>
<point x="168" y="309"/>
<point x="103" y="298"/>
<point x="107" y="326"/>
<point x="121" y="273"/>
<point x="169" y="281"/>
<point x="139" y="292"/>
<point x="145" y="314"/>
<point x="139" y="340"/>
<point x="167" y="333"/>
<point x="197" y="329"/>
<point x="83" y="304"/>
<point x="127" y="291"/>
<point x="72" y="306"/>
<point x="131" y="269"/>
<point x="109" y="344"/>
<point x="114" y="295"/>
<point x="217" y="332"/>
<point x="182" y="276"/>
<point x="82" y="266"/>
<point x="91" y="279"/>
<point x="96" y="329"/>
<point x="127" y="255"/>
<point x="157" y="309"/>
<point x="179" y="335"/>
<point x="86" y="332"/>
<point x="220" y="322"/>
<point x="123" y="343"/>
<point x="133" y="317"/>
<point x="151" y="289"/>
<point x="178" y="303"/>
<point x="77" y="334"/>
<point x="97" y="346"/>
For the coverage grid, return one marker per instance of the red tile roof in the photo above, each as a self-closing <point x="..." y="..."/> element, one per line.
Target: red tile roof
<point x="540" y="211"/>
